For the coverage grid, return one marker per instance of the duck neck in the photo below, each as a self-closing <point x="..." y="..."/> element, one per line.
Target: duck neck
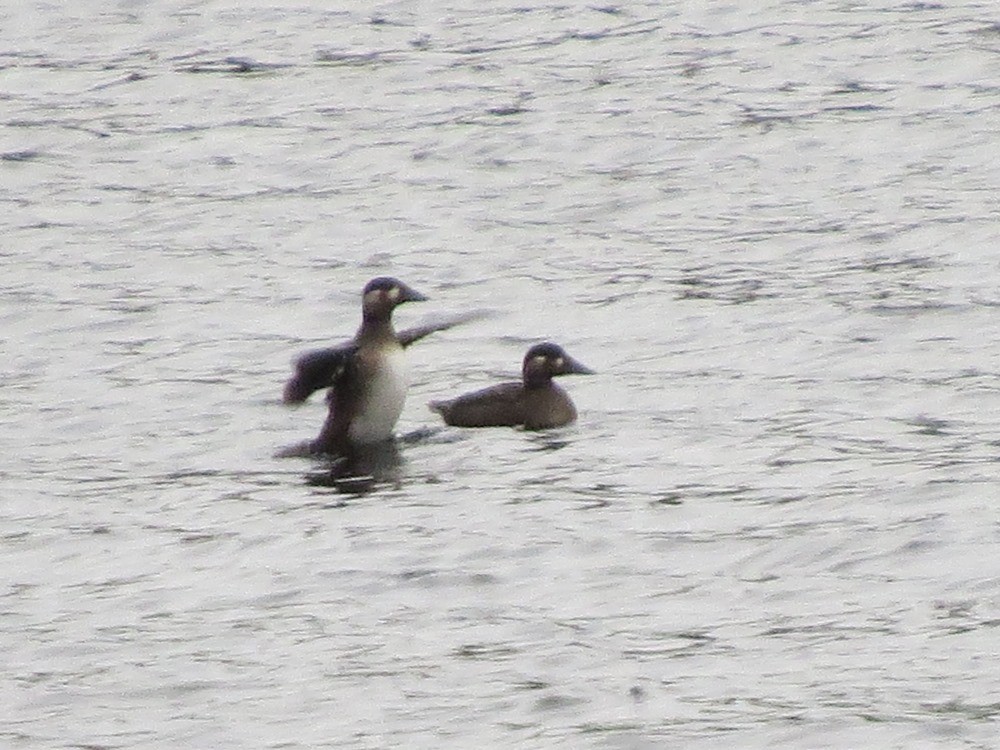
<point x="376" y="327"/>
<point x="536" y="380"/>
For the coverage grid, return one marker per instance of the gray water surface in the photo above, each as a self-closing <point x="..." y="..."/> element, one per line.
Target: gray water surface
<point x="771" y="227"/>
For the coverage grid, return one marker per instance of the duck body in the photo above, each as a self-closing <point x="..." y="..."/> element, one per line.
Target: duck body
<point x="366" y="378"/>
<point x="384" y="378"/>
<point x="535" y="403"/>
<point x="509" y="405"/>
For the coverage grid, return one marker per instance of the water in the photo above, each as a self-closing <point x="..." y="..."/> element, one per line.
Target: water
<point x="771" y="228"/>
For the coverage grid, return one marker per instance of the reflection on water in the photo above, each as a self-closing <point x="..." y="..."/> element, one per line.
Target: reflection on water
<point x="367" y="468"/>
<point x="548" y="440"/>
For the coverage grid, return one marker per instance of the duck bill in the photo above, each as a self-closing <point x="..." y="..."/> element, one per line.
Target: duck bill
<point x="574" y="367"/>
<point x="409" y="294"/>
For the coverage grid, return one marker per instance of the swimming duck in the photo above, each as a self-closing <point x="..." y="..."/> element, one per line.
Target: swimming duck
<point x="367" y="377"/>
<point x="536" y="402"/>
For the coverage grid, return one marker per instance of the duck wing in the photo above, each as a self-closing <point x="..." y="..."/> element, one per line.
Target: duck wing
<point x="317" y="369"/>
<point x="409" y="335"/>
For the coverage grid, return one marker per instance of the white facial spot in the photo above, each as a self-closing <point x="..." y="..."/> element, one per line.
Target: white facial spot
<point x="394" y="294"/>
<point x="559" y="363"/>
<point x="539" y="360"/>
<point x="371" y="297"/>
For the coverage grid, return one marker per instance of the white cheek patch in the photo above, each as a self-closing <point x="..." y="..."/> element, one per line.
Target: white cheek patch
<point x="371" y="298"/>
<point x="394" y="294"/>
<point x="559" y="363"/>
<point x="539" y="360"/>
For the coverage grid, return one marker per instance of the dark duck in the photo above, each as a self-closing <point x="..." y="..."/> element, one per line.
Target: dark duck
<point x="536" y="403"/>
<point x="367" y="377"/>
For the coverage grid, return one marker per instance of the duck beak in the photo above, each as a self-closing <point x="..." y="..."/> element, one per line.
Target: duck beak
<point x="573" y="367"/>
<point x="409" y="294"/>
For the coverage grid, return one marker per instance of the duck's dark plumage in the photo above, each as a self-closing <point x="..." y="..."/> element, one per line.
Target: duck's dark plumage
<point x="536" y="402"/>
<point x="499" y="405"/>
<point x="317" y="369"/>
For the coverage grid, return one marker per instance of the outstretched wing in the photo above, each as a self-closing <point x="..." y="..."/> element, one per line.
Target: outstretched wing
<point x="409" y="335"/>
<point x="317" y="369"/>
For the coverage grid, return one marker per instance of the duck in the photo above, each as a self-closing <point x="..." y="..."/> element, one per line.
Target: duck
<point x="366" y="377"/>
<point x="534" y="403"/>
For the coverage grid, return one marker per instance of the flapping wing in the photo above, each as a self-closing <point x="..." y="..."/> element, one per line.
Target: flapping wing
<point x="409" y="335"/>
<point x="317" y="369"/>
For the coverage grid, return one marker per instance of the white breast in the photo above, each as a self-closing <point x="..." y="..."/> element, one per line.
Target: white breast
<point x="383" y="399"/>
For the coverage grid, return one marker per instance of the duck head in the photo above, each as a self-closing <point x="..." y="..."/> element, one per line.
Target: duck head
<point x="383" y="294"/>
<point x="547" y="360"/>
